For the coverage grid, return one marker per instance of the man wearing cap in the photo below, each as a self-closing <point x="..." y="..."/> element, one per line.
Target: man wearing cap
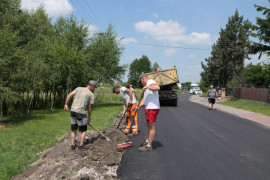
<point x="84" y="99"/>
<point x="152" y="106"/>
<point x="130" y="102"/>
<point x="211" y="95"/>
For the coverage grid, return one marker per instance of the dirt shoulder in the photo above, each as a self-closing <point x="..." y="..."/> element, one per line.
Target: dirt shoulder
<point x="100" y="161"/>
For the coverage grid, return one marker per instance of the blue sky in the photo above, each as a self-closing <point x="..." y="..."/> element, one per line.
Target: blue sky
<point x="169" y="32"/>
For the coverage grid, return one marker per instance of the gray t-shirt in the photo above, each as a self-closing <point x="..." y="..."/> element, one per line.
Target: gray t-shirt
<point x="83" y="97"/>
<point x="212" y="93"/>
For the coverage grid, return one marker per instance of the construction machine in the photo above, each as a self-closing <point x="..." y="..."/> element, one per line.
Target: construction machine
<point x="166" y="79"/>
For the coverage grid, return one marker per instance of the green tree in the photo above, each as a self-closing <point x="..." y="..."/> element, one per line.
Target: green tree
<point x="9" y="11"/>
<point x="155" y="66"/>
<point x="104" y="54"/>
<point x="228" y="53"/>
<point x="213" y="73"/>
<point x="137" y="67"/>
<point x="262" y="32"/>
<point x="41" y="62"/>
<point x="10" y="54"/>
<point x="186" y="85"/>
<point x="257" y="75"/>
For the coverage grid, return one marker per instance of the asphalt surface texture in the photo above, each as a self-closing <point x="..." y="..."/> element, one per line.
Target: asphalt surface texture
<point x="194" y="143"/>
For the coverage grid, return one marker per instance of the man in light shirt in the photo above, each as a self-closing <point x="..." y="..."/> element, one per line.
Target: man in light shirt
<point x="130" y="102"/>
<point x="152" y="106"/>
<point x="84" y="99"/>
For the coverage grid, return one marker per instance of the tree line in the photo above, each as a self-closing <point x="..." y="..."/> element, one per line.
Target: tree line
<point x="139" y="66"/>
<point x="41" y="61"/>
<point x="225" y="67"/>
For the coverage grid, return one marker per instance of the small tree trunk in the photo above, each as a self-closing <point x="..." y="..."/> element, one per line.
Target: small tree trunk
<point x="38" y="100"/>
<point x="67" y="92"/>
<point x="46" y="99"/>
<point x="52" y="99"/>
<point x="28" y="95"/>
<point x="98" y="96"/>
<point x="23" y="98"/>
<point x="30" y="104"/>
<point x="1" y="111"/>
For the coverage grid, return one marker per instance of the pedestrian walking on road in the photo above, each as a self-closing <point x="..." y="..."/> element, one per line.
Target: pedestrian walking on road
<point x="130" y="102"/>
<point x="152" y="106"/>
<point x="84" y="99"/>
<point x="211" y="95"/>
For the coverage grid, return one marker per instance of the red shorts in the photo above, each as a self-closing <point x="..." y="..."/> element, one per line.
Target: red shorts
<point x="151" y="115"/>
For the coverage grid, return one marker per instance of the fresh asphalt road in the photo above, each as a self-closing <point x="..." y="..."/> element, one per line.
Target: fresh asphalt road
<point x="194" y="143"/>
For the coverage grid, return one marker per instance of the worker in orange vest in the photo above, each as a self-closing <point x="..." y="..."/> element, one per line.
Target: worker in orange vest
<point x="130" y="102"/>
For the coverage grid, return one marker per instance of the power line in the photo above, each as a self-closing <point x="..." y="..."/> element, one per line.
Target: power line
<point x="68" y="12"/>
<point x="95" y="17"/>
<point x="157" y="45"/>
<point x="82" y="12"/>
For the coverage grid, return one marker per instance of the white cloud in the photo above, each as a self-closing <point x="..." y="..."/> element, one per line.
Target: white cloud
<point x="54" y="8"/>
<point x="172" y="32"/>
<point x="170" y="52"/>
<point x="92" y="29"/>
<point x="191" y="56"/>
<point x="128" y="40"/>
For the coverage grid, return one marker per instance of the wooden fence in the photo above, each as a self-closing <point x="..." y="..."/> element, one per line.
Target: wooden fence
<point x="254" y="94"/>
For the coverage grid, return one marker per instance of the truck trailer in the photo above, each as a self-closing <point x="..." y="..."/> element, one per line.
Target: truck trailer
<point x="166" y="79"/>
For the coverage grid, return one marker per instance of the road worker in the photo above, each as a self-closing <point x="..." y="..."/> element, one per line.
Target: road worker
<point x="84" y="99"/>
<point x="152" y="106"/>
<point x="130" y="102"/>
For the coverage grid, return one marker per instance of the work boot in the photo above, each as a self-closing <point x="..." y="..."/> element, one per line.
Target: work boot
<point x="144" y="144"/>
<point x="73" y="147"/>
<point x="145" y="148"/>
<point x="127" y="131"/>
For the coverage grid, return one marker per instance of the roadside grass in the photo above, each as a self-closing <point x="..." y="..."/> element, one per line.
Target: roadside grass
<point x="24" y="137"/>
<point x="203" y="94"/>
<point x="252" y="106"/>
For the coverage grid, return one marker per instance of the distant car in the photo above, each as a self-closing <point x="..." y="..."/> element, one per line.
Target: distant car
<point x="197" y="91"/>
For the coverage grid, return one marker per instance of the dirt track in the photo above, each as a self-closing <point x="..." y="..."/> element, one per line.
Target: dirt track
<point x="100" y="161"/>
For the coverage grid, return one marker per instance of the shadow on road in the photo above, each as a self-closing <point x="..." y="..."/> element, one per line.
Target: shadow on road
<point x="156" y="144"/>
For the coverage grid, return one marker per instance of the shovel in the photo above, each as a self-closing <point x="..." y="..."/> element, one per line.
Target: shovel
<point x="121" y="118"/>
<point x="107" y="138"/>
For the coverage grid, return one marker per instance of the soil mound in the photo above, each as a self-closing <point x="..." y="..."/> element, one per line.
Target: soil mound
<point x="99" y="161"/>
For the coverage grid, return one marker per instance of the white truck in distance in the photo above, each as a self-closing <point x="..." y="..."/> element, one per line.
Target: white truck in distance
<point x="195" y="89"/>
